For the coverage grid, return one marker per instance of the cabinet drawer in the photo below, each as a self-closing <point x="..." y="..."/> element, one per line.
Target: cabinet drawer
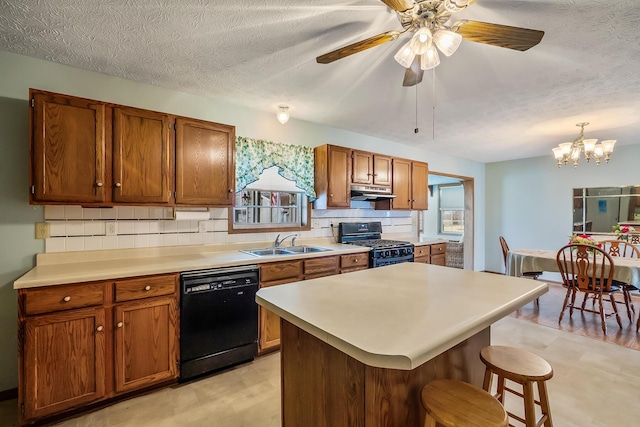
<point x="439" y="259"/>
<point x="440" y="248"/>
<point x="354" y="261"/>
<point x="421" y="251"/>
<point x="281" y="271"/>
<point x="66" y="297"/>
<point x="321" y="266"/>
<point x="425" y="259"/>
<point x="145" y="287"/>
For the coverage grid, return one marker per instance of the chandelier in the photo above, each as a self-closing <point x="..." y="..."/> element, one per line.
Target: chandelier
<point x="591" y="148"/>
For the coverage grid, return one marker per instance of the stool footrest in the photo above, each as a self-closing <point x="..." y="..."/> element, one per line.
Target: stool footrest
<point x="517" y="393"/>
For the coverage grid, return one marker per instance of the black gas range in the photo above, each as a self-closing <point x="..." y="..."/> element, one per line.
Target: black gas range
<point x="383" y="252"/>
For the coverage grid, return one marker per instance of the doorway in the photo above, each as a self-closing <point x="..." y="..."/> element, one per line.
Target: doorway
<point x="443" y="222"/>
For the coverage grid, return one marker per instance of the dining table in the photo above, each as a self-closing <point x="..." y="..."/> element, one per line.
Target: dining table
<point x="519" y="261"/>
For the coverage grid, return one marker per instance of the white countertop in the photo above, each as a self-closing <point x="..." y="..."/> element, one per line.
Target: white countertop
<point x="399" y="316"/>
<point x="74" y="267"/>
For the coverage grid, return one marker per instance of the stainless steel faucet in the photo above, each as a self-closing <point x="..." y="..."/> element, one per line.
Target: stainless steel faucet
<point x="279" y="241"/>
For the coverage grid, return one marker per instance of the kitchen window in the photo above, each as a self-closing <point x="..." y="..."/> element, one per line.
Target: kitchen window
<point x="451" y="209"/>
<point x="272" y="203"/>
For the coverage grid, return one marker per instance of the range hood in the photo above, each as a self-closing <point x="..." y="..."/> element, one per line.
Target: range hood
<point x="370" y="194"/>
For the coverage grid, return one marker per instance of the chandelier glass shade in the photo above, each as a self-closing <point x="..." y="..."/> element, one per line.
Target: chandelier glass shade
<point x="424" y="43"/>
<point x="592" y="149"/>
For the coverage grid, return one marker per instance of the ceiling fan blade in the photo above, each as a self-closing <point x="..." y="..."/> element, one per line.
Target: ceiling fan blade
<point x="414" y="74"/>
<point x="399" y="5"/>
<point x="358" y="47"/>
<point x="499" y="35"/>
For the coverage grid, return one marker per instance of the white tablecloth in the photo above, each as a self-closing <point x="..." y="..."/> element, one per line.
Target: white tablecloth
<point x="626" y="270"/>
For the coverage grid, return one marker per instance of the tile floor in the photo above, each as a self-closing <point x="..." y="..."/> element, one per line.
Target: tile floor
<point x="595" y="385"/>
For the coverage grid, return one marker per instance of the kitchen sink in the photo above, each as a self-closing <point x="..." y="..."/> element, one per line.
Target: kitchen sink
<point x="306" y="249"/>
<point x="291" y="250"/>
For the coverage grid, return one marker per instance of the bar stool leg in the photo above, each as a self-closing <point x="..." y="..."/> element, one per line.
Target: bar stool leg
<point x="488" y="380"/>
<point x="544" y="403"/>
<point x="529" y="404"/>
<point x="500" y="391"/>
<point x="429" y="421"/>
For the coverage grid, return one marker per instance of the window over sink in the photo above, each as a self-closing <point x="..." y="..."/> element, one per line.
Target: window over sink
<point x="272" y="203"/>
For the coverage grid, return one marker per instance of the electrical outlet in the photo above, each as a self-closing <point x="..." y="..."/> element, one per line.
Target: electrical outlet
<point x="42" y="230"/>
<point x="315" y="223"/>
<point x="202" y="227"/>
<point x="110" y="228"/>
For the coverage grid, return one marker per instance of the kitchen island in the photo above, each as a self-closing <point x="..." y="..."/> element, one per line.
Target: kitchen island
<point x="357" y="348"/>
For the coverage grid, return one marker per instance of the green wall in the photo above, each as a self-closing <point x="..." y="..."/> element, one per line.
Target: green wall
<point x="17" y="217"/>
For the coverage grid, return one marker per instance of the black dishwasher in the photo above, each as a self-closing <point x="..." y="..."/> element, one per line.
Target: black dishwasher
<point x="218" y="319"/>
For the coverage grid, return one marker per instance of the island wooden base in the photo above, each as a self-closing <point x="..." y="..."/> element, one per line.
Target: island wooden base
<point x="322" y="386"/>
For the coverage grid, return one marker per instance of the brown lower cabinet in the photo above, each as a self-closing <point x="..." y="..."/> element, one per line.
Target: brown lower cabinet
<point x="435" y="254"/>
<point x="79" y="344"/>
<point x="281" y="272"/>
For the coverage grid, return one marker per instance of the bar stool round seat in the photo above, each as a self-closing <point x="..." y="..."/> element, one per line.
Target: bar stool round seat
<point x="452" y="403"/>
<point x="524" y="368"/>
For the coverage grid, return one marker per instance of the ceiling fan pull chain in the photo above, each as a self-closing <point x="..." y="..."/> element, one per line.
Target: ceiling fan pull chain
<point x="416" y="130"/>
<point x="433" y="98"/>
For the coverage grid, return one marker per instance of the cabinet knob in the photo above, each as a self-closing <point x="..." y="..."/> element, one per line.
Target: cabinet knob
<point x="118" y="185"/>
<point x="147" y="288"/>
<point x="66" y="299"/>
<point x="231" y="190"/>
<point x="120" y="325"/>
<point x="99" y="329"/>
<point x="331" y="195"/>
<point x="98" y="184"/>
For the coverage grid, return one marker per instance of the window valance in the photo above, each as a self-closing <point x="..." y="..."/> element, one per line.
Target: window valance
<point x="294" y="162"/>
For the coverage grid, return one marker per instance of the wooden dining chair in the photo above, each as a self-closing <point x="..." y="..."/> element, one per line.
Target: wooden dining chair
<point x="620" y="248"/>
<point x="528" y="274"/>
<point x="587" y="269"/>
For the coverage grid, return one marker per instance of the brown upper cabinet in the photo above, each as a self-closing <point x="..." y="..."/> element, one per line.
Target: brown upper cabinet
<point x="205" y="163"/>
<point x="94" y="153"/>
<point x="332" y="177"/>
<point x="370" y="169"/>
<point x="410" y="182"/>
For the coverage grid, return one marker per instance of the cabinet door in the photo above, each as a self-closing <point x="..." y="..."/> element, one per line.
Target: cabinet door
<point x="382" y="170"/>
<point x="205" y="163"/>
<point x="338" y="177"/>
<point x="146" y="350"/>
<point x="419" y="184"/>
<point x="141" y="156"/>
<point x="361" y="167"/>
<point x="401" y="184"/>
<point x="269" y="328"/>
<point x="64" y="361"/>
<point x="68" y="149"/>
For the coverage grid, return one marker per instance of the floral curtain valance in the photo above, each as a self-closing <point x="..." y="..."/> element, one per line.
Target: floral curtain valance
<point x="294" y="162"/>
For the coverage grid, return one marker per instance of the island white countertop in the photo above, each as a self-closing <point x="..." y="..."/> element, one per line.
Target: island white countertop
<point x="402" y="315"/>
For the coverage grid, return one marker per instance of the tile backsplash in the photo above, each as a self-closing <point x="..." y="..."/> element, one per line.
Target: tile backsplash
<point x="74" y="228"/>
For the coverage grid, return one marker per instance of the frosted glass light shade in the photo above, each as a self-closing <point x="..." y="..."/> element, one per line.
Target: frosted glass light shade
<point x="455" y="5"/>
<point x="430" y="59"/>
<point x="283" y="114"/>
<point x="589" y="145"/>
<point x="447" y="41"/>
<point x="598" y="151"/>
<point x="607" y="146"/>
<point x="405" y="55"/>
<point x="421" y="41"/>
<point x="557" y="153"/>
<point x="565" y="147"/>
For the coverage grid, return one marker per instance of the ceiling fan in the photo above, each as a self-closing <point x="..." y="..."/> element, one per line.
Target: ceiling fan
<point x="428" y="19"/>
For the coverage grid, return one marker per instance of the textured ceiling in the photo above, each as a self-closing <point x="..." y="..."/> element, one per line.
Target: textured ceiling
<point x="487" y="103"/>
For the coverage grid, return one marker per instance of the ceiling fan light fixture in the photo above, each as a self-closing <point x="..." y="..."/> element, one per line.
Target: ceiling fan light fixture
<point x="405" y="55"/>
<point x="421" y="41"/>
<point x="447" y="41"/>
<point x="283" y="113"/>
<point x="430" y="59"/>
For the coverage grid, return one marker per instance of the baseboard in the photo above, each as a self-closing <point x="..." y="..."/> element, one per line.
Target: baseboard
<point x="12" y="393"/>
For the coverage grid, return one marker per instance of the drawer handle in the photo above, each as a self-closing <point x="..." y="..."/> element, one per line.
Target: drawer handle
<point x="99" y="328"/>
<point x="120" y="325"/>
<point x="147" y="288"/>
<point x="66" y="299"/>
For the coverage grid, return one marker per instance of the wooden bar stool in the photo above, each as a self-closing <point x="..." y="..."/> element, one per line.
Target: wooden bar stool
<point x="453" y="403"/>
<point x="524" y="368"/>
